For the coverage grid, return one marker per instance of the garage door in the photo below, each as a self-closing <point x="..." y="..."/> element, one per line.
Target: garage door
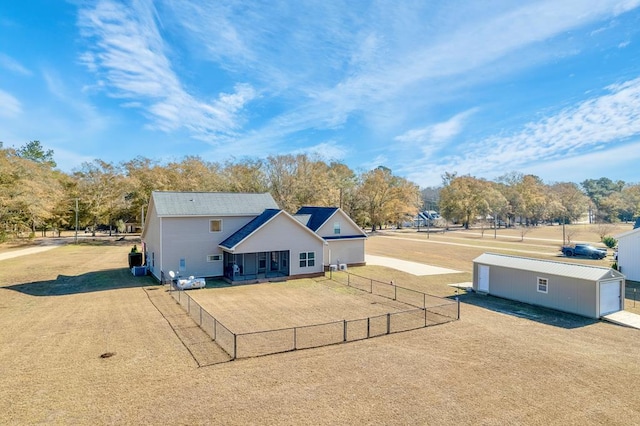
<point x="609" y="297"/>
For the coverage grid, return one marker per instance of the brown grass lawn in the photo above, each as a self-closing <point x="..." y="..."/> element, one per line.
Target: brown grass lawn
<point x="502" y="363"/>
<point x="296" y="303"/>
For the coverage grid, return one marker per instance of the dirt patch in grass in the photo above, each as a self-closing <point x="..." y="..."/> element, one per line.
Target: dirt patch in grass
<point x="502" y="363"/>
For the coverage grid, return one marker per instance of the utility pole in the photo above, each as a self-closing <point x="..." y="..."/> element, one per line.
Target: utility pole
<point x="76" y="237"/>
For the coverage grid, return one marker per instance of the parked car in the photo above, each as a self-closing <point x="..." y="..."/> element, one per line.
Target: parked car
<point x="585" y="250"/>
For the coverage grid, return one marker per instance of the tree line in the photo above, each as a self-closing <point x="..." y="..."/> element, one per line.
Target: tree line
<point x="35" y="197"/>
<point x="527" y="199"/>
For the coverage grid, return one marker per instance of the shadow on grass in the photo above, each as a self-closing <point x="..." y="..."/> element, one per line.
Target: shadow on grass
<point x="526" y="311"/>
<point x="86" y="283"/>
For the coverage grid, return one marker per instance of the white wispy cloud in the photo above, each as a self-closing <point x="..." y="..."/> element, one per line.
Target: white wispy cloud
<point x="9" y="105"/>
<point x="434" y="135"/>
<point x="327" y="151"/>
<point x="13" y="65"/>
<point x="127" y="51"/>
<point x="380" y="56"/>
<point x="571" y="133"/>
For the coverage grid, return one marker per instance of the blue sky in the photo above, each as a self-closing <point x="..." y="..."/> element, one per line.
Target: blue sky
<point x="422" y="87"/>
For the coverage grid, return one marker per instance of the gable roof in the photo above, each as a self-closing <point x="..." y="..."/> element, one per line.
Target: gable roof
<point x="551" y="267"/>
<point x="211" y="203"/>
<point x="315" y="217"/>
<point x="318" y="216"/>
<point x="242" y="233"/>
<point x="258" y="222"/>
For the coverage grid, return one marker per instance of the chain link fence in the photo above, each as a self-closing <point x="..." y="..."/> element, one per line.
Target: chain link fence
<point x="426" y="310"/>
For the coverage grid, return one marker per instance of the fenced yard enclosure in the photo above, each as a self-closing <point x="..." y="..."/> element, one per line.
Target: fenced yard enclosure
<point x="262" y="319"/>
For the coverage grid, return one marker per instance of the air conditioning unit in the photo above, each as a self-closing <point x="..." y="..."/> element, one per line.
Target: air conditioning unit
<point x="343" y="266"/>
<point x="333" y="267"/>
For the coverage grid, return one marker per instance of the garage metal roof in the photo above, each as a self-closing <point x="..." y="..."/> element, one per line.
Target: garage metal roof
<point x="550" y="267"/>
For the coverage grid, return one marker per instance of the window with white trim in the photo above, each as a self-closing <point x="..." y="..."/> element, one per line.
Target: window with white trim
<point x="214" y="258"/>
<point x="543" y="285"/>
<point x="336" y="228"/>
<point x="307" y="259"/>
<point x="215" y="225"/>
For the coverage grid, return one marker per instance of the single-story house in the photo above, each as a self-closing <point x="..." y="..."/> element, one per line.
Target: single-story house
<point x="629" y="254"/>
<point x="345" y="239"/>
<point x="238" y="236"/>
<point x="590" y="291"/>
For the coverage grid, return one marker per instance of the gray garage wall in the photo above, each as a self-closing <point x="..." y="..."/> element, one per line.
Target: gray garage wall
<point x="564" y="293"/>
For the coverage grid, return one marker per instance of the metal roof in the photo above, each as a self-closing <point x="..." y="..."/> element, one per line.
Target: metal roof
<point x="211" y="203"/>
<point x="551" y="267"/>
<point x="626" y="234"/>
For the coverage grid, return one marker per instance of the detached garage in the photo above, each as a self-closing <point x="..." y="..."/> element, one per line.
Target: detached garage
<point x="590" y="291"/>
<point x="629" y="254"/>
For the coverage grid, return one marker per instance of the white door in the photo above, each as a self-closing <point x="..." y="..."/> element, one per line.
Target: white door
<point x="609" y="297"/>
<point x="483" y="278"/>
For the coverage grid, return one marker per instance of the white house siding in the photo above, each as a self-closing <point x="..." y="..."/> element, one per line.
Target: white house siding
<point x="347" y="226"/>
<point x="151" y="240"/>
<point x="629" y="254"/>
<point x="349" y="251"/>
<point x="189" y="238"/>
<point x="285" y="233"/>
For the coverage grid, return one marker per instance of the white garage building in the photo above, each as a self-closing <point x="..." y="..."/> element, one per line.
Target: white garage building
<point x="590" y="291"/>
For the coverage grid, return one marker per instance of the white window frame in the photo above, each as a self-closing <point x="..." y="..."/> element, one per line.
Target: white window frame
<point x="541" y="281"/>
<point x="211" y="222"/>
<point x="307" y="259"/>
<point x="214" y="258"/>
<point x="336" y="228"/>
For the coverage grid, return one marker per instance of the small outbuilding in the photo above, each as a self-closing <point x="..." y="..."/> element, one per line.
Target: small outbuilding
<point x="590" y="291"/>
<point x="629" y="254"/>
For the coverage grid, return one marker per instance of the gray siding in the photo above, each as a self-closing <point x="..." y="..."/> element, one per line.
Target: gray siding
<point x="566" y="294"/>
<point x="349" y="251"/>
<point x="190" y="239"/>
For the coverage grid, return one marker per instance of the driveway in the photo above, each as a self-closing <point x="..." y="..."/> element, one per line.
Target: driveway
<point x="414" y="268"/>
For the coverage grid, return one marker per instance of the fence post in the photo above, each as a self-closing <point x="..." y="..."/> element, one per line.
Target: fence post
<point x="395" y="292"/>
<point x="388" y="323"/>
<point x="425" y="316"/>
<point x="215" y="329"/>
<point x="371" y="286"/>
<point x="424" y="301"/>
<point x="345" y="331"/>
<point x="368" y="327"/>
<point x="458" y="301"/>
<point x="200" y="315"/>
<point x="295" y="338"/>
